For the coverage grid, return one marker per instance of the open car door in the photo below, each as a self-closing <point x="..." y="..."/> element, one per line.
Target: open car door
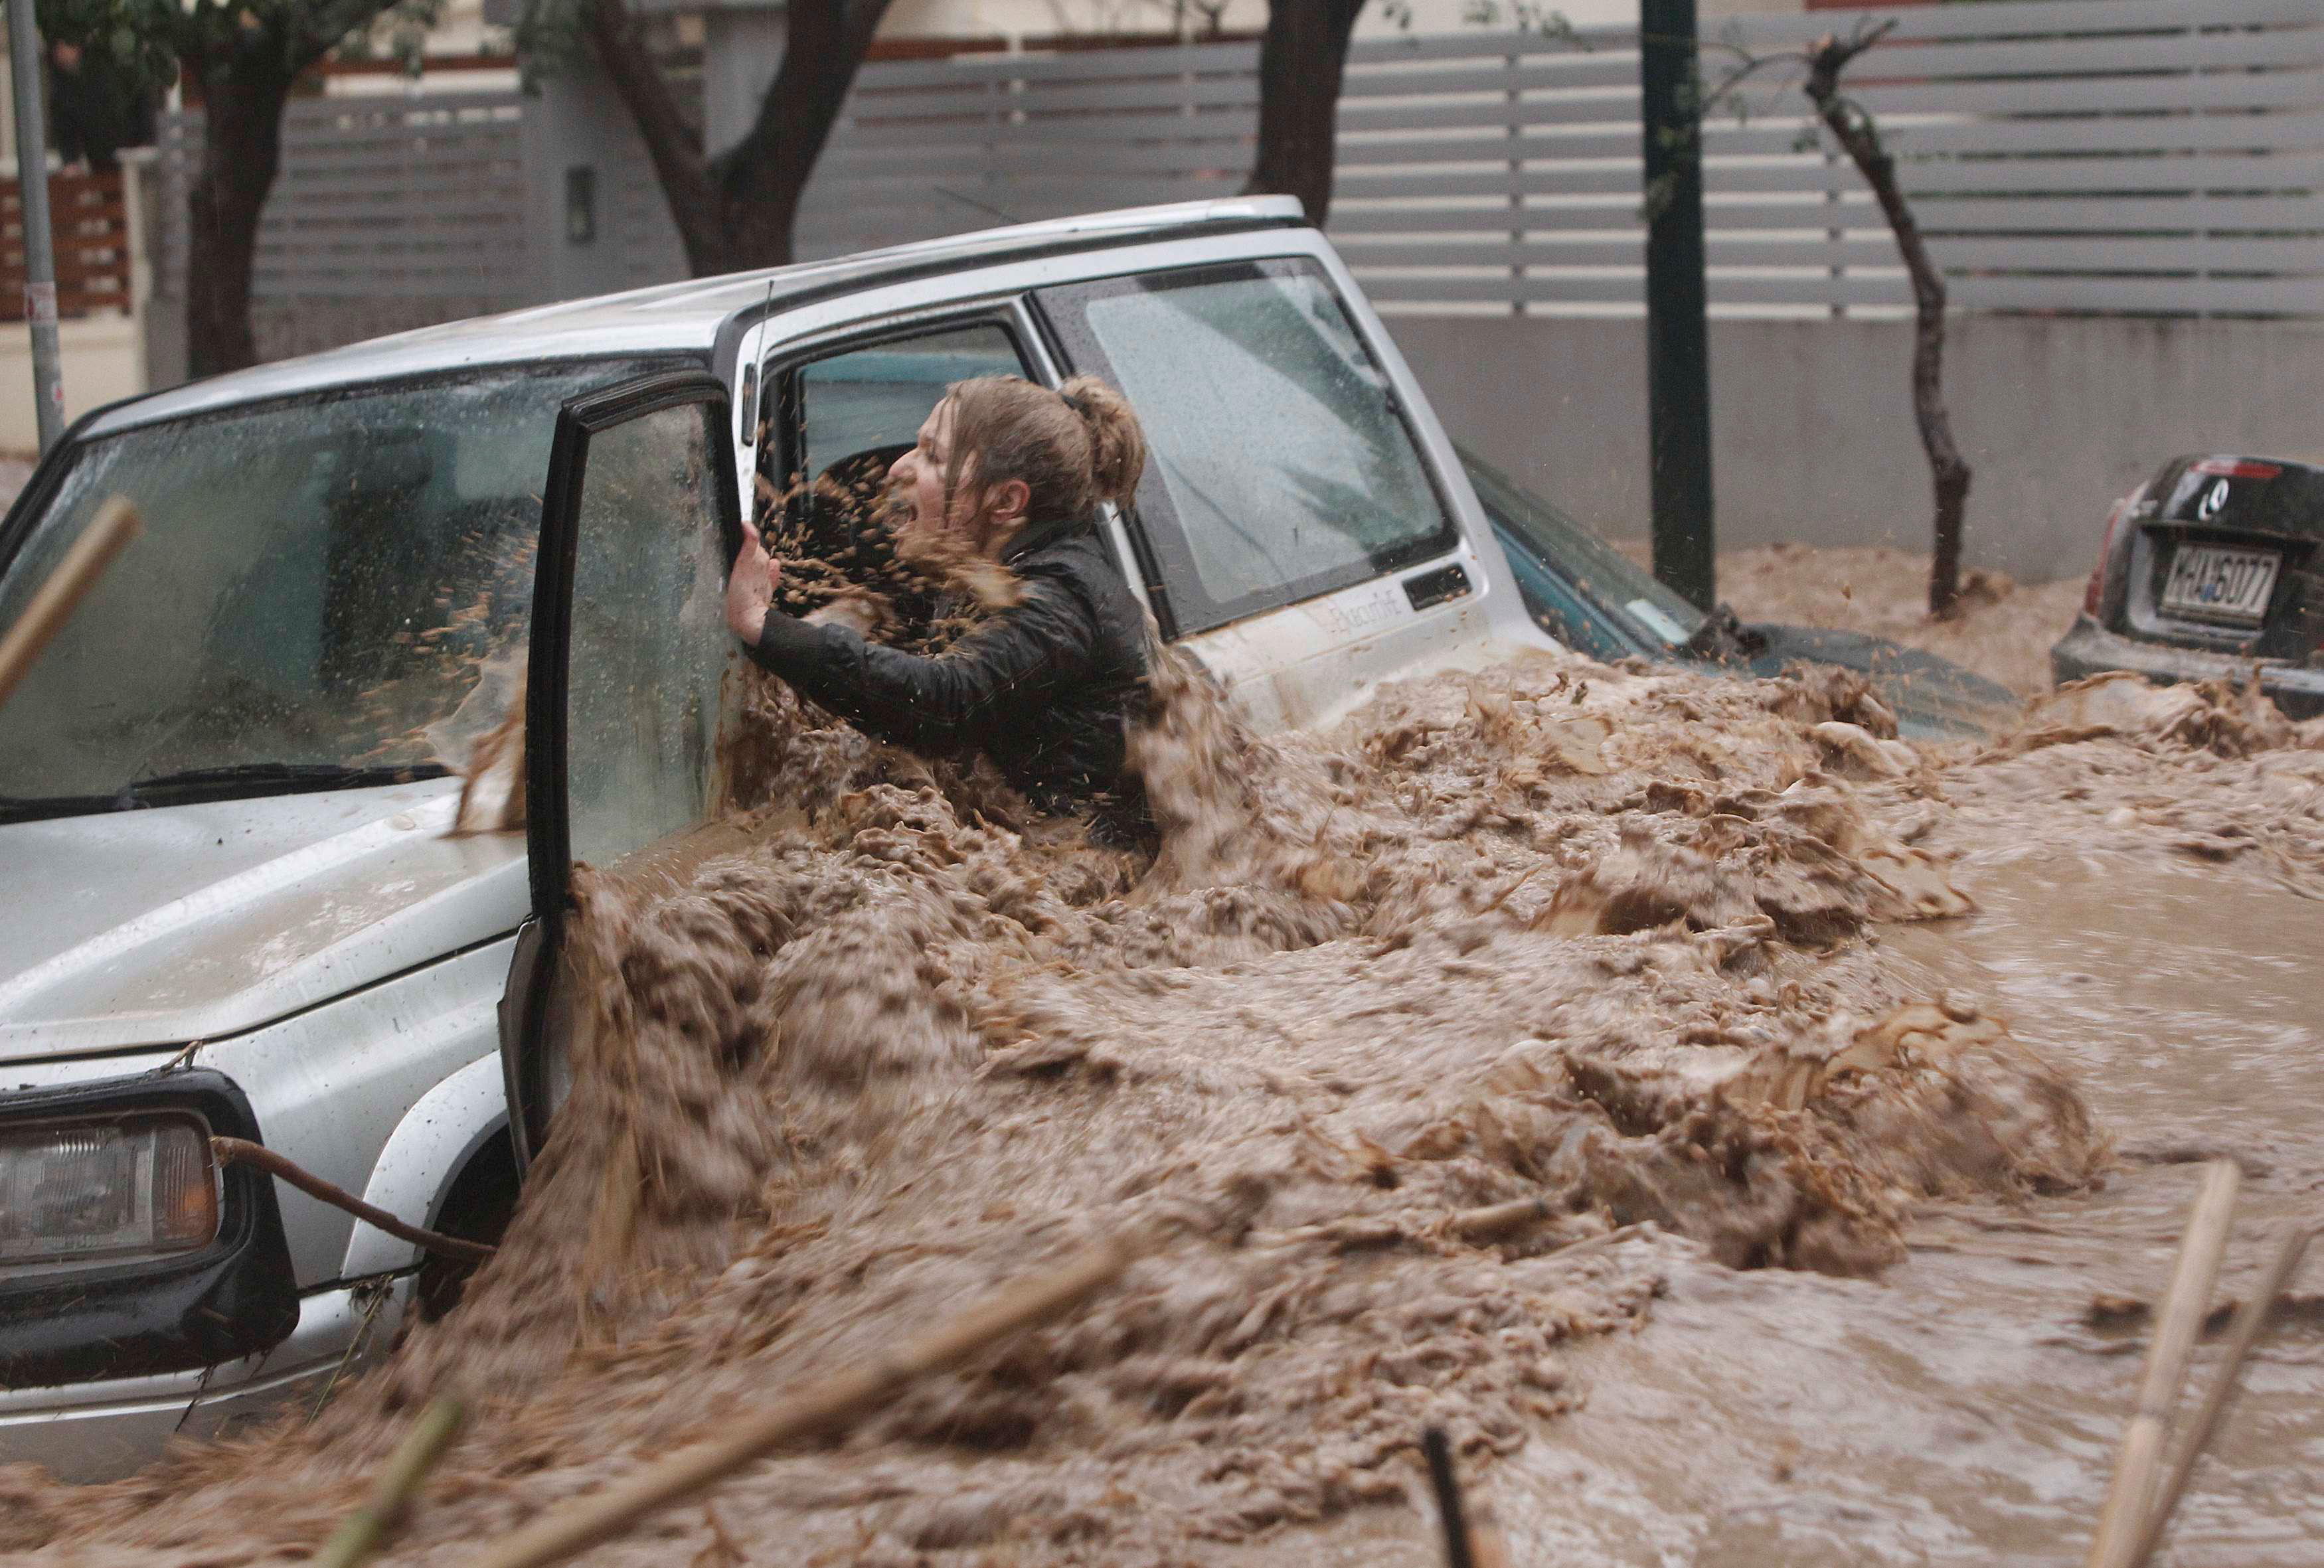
<point x="639" y="519"/>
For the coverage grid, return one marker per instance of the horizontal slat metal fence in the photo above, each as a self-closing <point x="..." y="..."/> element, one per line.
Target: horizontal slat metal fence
<point x="381" y="197"/>
<point x="2142" y="156"/>
<point x="2163" y="156"/>
<point x="933" y="147"/>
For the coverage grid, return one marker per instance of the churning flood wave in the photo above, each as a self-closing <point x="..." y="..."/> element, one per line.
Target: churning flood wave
<point x="1856" y="1081"/>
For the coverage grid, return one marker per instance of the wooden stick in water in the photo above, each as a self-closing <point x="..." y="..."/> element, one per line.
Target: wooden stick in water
<point x="824" y="1404"/>
<point x="365" y="1530"/>
<point x="2241" y="1334"/>
<point x="53" y="602"/>
<point x="1455" y="1519"/>
<point x="242" y="1151"/>
<point x="2180" y="1319"/>
<point x="1497" y="1220"/>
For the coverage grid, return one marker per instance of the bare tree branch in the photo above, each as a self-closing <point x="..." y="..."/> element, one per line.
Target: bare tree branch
<point x="671" y="144"/>
<point x="1859" y="137"/>
<point x="862" y="23"/>
<point x="1853" y="126"/>
<point x="760" y="181"/>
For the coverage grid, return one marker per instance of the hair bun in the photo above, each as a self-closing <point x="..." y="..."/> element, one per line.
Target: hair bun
<point x="1117" y="446"/>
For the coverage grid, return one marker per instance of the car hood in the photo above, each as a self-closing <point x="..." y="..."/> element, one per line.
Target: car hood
<point x="193" y="922"/>
<point x="1934" y="698"/>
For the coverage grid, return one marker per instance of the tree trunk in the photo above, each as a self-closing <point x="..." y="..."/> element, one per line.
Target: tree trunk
<point x="1302" y="58"/>
<point x="241" y="151"/>
<point x="763" y="179"/>
<point x="1949" y="471"/>
<point x="739" y="211"/>
<point x="671" y="145"/>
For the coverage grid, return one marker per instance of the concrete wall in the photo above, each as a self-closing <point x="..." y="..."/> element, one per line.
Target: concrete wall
<point x="1813" y="432"/>
<point x="104" y="360"/>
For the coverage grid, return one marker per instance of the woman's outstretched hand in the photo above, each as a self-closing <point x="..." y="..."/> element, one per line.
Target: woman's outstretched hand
<point x="751" y="587"/>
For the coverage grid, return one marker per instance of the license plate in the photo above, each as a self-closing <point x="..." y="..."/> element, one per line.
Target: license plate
<point x="2220" y="584"/>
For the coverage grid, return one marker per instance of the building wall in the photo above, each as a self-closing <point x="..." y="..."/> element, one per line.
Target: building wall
<point x="104" y="361"/>
<point x="1813" y="432"/>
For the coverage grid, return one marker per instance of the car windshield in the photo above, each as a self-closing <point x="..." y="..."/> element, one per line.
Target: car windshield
<point x="318" y="584"/>
<point x="1596" y="569"/>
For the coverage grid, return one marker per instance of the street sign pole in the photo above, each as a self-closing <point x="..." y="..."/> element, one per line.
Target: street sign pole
<point x="1678" y="348"/>
<point x="40" y="247"/>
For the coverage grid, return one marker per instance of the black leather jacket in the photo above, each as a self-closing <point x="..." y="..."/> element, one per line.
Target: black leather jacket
<point x="1044" y="688"/>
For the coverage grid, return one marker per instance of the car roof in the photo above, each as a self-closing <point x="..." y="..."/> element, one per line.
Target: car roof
<point x="686" y="318"/>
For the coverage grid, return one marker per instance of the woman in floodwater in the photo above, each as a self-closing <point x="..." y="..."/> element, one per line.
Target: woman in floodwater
<point x="1006" y="474"/>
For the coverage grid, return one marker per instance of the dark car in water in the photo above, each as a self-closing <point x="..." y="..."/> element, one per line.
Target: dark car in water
<point x="1594" y="599"/>
<point x="2213" y="568"/>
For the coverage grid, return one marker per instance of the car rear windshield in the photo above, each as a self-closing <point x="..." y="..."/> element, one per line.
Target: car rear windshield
<point x="319" y="586"/>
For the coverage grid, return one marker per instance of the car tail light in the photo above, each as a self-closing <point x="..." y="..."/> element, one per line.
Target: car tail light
<point x="2237" y="468"/>
<point x="2097" y="590"/>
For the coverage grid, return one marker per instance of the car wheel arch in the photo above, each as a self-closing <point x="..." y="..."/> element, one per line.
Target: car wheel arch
<point x="424" y="1160"/>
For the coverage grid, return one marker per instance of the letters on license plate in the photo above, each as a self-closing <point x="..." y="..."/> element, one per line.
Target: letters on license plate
<point x="2219" y="583"/>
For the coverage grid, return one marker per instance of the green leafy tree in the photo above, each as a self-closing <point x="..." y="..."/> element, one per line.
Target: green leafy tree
<point x="240" y="61"/>
<point x="738" y="209"/>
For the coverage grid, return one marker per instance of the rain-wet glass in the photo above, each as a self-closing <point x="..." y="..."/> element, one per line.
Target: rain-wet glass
<point x="319" y="582"/>
<point x="1283" y="466"/>
<point x="649" y="644"/>
<point x="869" y="402"/>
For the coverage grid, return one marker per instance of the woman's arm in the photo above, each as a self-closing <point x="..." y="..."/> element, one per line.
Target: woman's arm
<point x="1020" y="654"/>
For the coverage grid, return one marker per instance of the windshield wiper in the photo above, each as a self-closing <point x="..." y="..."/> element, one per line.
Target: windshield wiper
<point x="35" y="808"/>
<point x="220" y="783"/>
<point x="287" y="778"/>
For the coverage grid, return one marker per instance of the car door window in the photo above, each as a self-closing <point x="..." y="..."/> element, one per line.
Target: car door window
<point x="648" y="643"/>
<point x="852" y="413"/>
<point x="1280" y="466"/>
<point x="624" y="700"/>
<point x="630" y="639"/>
<point x="840" y="419"/>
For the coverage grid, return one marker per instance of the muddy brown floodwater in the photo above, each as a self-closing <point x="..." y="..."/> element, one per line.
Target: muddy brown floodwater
<point x="1857" y="1078"/>
<point x="1965" y="1407"/>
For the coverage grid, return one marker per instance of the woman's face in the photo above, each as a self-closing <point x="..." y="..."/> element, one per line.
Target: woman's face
<point x="917" y="477"/>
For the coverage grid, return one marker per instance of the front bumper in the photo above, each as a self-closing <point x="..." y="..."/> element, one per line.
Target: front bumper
<point x="2089" y="648"/>
<point x="88" y="1431"/>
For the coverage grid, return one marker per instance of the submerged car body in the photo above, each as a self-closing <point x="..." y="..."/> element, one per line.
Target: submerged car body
<point x="1594" y="599"/>
<point x="2213" y="569"/>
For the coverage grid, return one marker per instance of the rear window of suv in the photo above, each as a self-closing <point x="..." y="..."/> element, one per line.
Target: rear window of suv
<point x="1280" y="466"/>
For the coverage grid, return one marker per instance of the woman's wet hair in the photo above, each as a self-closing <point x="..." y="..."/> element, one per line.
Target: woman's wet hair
<point x="1073" y="447"/>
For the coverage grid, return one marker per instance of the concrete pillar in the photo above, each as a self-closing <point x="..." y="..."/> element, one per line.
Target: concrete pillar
<point x="597" y="214"/>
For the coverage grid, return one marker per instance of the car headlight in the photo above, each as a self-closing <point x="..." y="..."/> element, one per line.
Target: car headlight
<point x="84" y="1191"/>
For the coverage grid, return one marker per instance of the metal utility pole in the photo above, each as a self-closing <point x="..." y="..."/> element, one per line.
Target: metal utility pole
<point x="1678" y="347"/>
<point x="40" y="246"/>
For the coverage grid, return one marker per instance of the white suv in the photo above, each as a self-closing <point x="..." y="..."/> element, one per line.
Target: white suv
<point x="233" y="902"/>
